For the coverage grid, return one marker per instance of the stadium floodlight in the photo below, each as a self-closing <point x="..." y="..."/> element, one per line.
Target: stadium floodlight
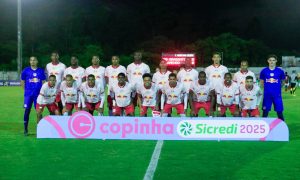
<point x="19" y="34"/>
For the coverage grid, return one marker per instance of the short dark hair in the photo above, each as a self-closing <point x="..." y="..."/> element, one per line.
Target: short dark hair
<point x="216" y="53"/>
<point x="69" y="75"/>
<point x="172" y="75"/>
<point x="91" y="75"/>
<point x="147" y="75"/>
<point x="249" y="77"/>
<point x="202" y="72"/>
<point x="228" y="73"/>
<point x="272" y="56"/>
<point x="121" y="74"/>
<point x="52" y="76"/>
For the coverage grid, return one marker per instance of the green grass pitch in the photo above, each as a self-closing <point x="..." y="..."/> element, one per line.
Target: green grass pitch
<point x="30" y="158"/>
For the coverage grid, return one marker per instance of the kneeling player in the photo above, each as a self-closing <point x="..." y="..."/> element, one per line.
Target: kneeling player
<point x="122" y="94"/>
<point x="47" y="97"/>
<point x="250" y="97"/>
<point x="92" y="95"/>
<point x="176" y="97"/>
<point x="227" y="96"/>
<point x="200" y="96"/>
<point x="147" y="95"/>
<point x="69" y="95"/>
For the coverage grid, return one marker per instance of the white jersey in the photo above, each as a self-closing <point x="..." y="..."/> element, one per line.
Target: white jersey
<point x="201" y="92"/>
<point x="92" y="94"/>
<point x="122" y="94"/>
<point x="135" y="73"/>
<point x="57" y="70"/>
<point x="187" y="77"/>
<point x="160" y="79"/>
<point x="111" y="72"/>
<point x="69" y="94"/>
<point x="77" y="74"/>
<point x="250" y="99"/>
<point x="47" y="94"/>
<point x="148" y="95"/>
<point x="227" y="95"/>
<point x="240" y="77"/>
<point x="215" y="75"/>
<point x="98" y="72"/>
<point x="175" y="94"/>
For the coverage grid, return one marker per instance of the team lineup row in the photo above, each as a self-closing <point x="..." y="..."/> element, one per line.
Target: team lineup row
<point x="213" y="89"/>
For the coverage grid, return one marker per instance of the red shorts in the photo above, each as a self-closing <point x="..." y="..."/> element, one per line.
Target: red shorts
<point x="70" y="106"/>
<point x="109" y="102"/>
<point x="51" y="107"/>
<point x="128" y="110"/>
<point x="231" y="108"/>
<point x="58" y="97"/>
<point x="145" y="108"/>
<point x="253" y="112"/>
<point x="92" y="106"/>
<point x="199" y="105"/>
<point x="179" y="108"/>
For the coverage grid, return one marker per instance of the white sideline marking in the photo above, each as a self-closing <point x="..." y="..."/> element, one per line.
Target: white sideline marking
<point x="154" y="160"/>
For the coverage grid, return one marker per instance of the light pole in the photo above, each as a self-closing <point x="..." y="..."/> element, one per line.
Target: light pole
<point x="19" y="61"/>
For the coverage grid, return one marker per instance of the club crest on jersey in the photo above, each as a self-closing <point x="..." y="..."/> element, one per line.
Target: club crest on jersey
<point x="271" y="74"/>
<point x="34" y="74"/>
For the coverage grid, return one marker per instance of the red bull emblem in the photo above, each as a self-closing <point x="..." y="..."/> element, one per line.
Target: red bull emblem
<point x="272" y="80"/>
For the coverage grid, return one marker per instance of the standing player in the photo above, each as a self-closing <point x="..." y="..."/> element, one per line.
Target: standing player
<point x="160" y="78"/>
<point x="294" y="81"/>
<point x="122" y="94"/>
<point x="148" y="95"/>
<point x="76" y="71"/>
<point x="111" y="78"/>
<point x="240" y="76"/>
<point x="56" y="68"/>
<point x="215" y="73"/>
<point x="270" y="78"/>
<point x="227" y="96"/>
<point x="286" y="81"/>
<point x="92" y="95"/>
<point x="176" y="96"/>
<point x="201" y="94"/>
<point x="135" y="72"/>
<point x="250" y="98"/>
<point x="32" y="79"/>
<point x="97" y="70"/>
<point x="187" y="75"/>
<point x="69" y="95"/>
<point x="47" y="97"/>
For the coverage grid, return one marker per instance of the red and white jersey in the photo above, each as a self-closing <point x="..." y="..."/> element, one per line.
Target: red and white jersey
<point x="111" y="72"/>
<point x="69" y="94"/>
<point x="148" y="95"/>
<point x="187" y="77"/>
<point x="77" y="73"/>
<point x="92" y="94"/>
<point x="215" y="74"/>
<point x="201" y="92"/>
<point x="47" y="94"/>
<point x="160" y="79"/>
<point x="57" y="70"/>
<point x="175" y="94"/>
<point x="98" y="72"/>
<point x="240" y="77"/>
<point x="122" y="94"/>
<point x="250" y="99"/>
<point x="135" y="73"/>
<point x="227" y="95"/>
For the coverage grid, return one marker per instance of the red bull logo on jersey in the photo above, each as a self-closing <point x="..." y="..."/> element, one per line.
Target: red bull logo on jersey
<point x="227" y="96"/>
<point x="216" y="76"/>
<point x="187" y="80"/>
<point x="202" y="94"/>
<point x="172" y="96"/>
<point x="148" y="97"/>
<point x="162" y="82"/>
<point x="70" y="94"/>
<point x="137" y="73"/>
<point x="121" y="96"/>
<point x="54" y="73"/>
<point x="248" y="99"/>
<point x="272" y="80"/>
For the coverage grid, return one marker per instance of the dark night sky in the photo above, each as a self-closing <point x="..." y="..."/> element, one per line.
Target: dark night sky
<point x="275" y="22"/>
